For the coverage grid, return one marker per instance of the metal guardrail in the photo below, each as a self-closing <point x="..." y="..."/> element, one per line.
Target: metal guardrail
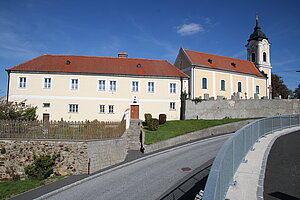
<point x="234" y="150"/>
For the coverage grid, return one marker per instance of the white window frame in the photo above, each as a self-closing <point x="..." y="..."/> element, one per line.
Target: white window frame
<point x="172" y="106"/>
<point x="206" y="83"/>
<point x="221" y="85"/>
<point x="73" y="108"/>
<point x="78" y="81"/>
<point x="171" y="90"/>
<point x="109" y="109"/>
<point x="256" y="89"/>
<point x="24" y="84"/>
<point x="105" y="85"/>
<point x="147" y="90"/>
<point x="135" y="88"/>
<point x="44" y="83"/>
<point x="100" y="110"/>
<point x="109" y="89"/>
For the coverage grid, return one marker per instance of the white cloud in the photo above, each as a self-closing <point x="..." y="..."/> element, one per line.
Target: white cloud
<point x="189" y="29"/>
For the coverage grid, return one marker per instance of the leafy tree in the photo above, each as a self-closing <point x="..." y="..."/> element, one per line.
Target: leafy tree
<point x="278" y="87"/>
<point x="15" y="111"/>
<point x="297" y="92"/>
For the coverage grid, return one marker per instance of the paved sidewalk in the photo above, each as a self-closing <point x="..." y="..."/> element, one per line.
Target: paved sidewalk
<point x="250" y="175"/>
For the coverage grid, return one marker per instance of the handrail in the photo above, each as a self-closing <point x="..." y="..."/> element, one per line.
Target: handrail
<point x="235" y="149"/>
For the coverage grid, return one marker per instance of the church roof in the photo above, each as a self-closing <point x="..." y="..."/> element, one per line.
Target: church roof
<point x="221" y="63"/>
<point x="257" y="33"/>
<point x="100" y="65"/>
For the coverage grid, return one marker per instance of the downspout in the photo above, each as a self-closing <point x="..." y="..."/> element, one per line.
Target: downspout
<point x="192" y="82"/>
<point x="8" y="79"/>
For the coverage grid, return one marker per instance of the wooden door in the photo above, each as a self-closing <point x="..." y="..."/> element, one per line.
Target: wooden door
<point x="46" y="117"/>
<point x="134" y="112"/>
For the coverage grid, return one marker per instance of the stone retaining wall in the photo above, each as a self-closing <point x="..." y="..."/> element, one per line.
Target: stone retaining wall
<point x="219" y="109"/>
<point x="73" y="157"/>
<point x="17" y="154"/>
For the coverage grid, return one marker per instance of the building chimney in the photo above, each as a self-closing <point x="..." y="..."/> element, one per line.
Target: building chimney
<point x="122" y="55"/>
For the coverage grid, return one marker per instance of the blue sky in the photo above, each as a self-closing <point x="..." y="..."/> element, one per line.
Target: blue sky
<point x="153" y="29"/>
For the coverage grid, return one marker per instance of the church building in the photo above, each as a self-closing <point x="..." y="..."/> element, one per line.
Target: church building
<point x="223" y="77"/>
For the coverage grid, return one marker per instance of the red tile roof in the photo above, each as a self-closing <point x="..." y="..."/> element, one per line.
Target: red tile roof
<point x="222" y="63"/>
<point x="100" y="65"/>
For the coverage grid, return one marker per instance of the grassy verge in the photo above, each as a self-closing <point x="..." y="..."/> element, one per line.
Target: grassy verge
<point x="179" y="127"/>
<point x="10" y="188"/>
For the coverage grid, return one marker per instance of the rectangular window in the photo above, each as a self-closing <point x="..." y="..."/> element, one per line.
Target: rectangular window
<point x="150" y="87"/>
<point x="23" y="104"/>
<point x="223" y="85"/>
<point x="73" y="108"/>
<point x="46" y="105"/>
<point x="22" y="82"/>
<point x="204" y="83"/>
<point x="111" y="109"/>
<point x="74" y="84"/>
<point x="47" y="83"/>
<point x="173" y="88"/>
<point x="172" y="105"/>
<point x="101" y="85"/>
<point x="239" y="87"/>
<point x="102" y="109"/>
<point x="134" y="86"/>
<point x="257" y="89"/>
<point x="112" y="86"/>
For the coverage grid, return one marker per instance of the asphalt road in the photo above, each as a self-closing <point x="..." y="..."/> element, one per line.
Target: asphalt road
<point x="148" y="178"/>
<point x="282" y="176"/>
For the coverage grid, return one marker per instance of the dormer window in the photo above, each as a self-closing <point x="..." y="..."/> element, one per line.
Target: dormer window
<point x="233" y="64"/>
<point x="68" y="62"/>
<point x="210" y="61"/>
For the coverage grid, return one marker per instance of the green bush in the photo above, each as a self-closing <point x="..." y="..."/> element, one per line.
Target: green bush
<point x="148" y="116"/>
<point x="41" y="167"/>
<point x="153" y="124"/>
<point x="162" y="118"/>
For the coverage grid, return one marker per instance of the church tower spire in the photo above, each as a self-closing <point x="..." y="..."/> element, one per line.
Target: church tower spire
<point x="258" y="52"/>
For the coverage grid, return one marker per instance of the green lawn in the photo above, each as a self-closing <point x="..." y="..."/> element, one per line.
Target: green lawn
<point x="10" y="188"/>
<point x="179" y="127"/>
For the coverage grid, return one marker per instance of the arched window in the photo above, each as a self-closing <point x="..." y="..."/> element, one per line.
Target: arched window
<point x="239" y="87"/>
<point x="265" y="57"/>
<point x="253" y="57"/>
<point x="204" y="83"/>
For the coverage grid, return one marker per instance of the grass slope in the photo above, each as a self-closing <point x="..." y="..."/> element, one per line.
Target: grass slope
<point x="179" y="127"/>
<point x="10" y="188"/>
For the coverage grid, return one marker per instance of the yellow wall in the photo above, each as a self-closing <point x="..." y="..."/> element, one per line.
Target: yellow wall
<point x="89" y="98"/>
<point x="214" y="84"/>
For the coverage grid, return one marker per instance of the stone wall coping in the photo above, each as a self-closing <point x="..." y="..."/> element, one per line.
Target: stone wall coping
<point x="62" y="140"/>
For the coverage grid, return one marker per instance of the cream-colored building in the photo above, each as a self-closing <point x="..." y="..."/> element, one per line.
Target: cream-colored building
<point x="214" y="75"/>
<point x="78" y="88"/>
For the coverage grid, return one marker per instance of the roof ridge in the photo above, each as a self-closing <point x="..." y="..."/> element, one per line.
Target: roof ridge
<point x="219" y="55"/>
<point x="106" y="57"/>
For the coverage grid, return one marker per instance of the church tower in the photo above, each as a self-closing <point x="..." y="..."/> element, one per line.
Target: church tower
<point x="258" y="52"/>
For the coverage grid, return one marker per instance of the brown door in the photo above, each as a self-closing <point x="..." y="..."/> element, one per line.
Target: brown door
<point x="134" y="112"/>
<point x="46" y="117"/>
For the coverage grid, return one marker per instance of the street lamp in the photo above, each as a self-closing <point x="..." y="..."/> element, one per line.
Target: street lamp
<point x="297" y="71"/>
